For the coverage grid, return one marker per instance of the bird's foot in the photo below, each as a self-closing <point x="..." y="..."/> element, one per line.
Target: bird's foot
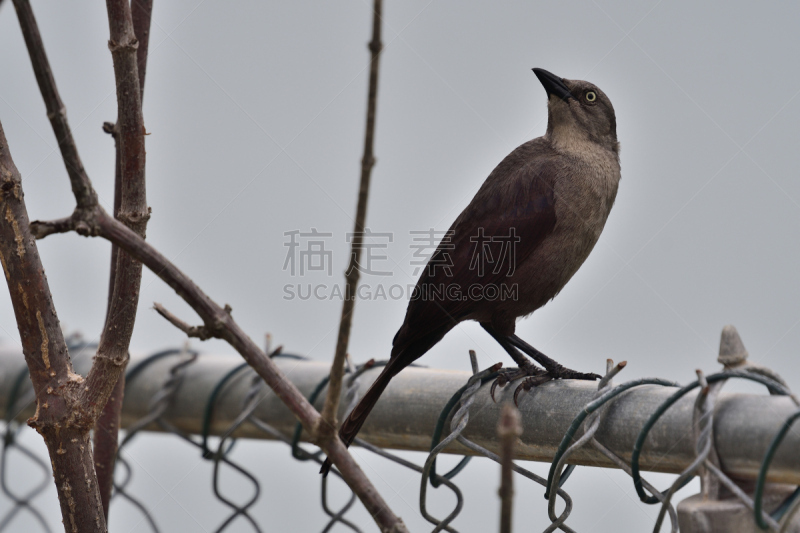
<point x="535" y="376"/>
<point x="508" y="375"/>
<point x="558" y="372"/>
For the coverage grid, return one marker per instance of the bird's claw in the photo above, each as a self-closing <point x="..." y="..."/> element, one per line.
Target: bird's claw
<point x="535" y="376"/>
<point x="531" y="382"/>
<point x="500" y="380"/>
<point x="508" y="375"/>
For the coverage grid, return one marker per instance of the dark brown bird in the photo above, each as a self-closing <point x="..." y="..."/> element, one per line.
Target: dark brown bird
<point x="529" y="228"/>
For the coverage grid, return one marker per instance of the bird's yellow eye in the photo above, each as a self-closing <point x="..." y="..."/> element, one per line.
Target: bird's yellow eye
<point x="591" y="96"/>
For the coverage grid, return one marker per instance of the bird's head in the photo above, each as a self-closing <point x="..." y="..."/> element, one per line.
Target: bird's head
<point x="577" y="112"/>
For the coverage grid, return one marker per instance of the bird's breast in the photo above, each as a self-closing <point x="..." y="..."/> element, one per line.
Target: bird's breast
<point x="584" y="195"/>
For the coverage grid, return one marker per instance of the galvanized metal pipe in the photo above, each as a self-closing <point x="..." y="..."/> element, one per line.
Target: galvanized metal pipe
<point x="406" y="414"/>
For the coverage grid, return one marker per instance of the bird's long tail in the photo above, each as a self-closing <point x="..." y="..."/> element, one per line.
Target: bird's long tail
<point x="352" y="424"/>
<point x="404" y="352"/>
<point x="357" y="417"/>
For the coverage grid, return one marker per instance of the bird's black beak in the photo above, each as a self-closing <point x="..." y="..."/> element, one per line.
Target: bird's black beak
<point x="552" y="84"/>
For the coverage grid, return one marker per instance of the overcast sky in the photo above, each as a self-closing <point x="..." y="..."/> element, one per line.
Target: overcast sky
<point x="256" y="117"/>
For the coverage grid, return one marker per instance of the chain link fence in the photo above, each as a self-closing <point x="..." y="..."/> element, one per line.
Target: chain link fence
<point x="769" y="506"/>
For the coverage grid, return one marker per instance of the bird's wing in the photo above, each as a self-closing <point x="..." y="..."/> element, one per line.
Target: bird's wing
<point x="516" y="203"/>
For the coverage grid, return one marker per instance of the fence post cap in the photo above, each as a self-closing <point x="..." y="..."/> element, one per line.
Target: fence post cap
<point x="731" y="347"/>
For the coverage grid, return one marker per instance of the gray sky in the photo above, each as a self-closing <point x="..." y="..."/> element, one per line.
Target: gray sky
<point x="256" y="114"/>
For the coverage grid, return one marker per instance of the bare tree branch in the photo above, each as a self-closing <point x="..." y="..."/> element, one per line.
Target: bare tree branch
<point x="89" y="219"/>
<point x="130" y="124"/>
<point x="61" y="415"/>
<point x="198" y="332"/>
<point x="112" y="352"/>
<point x="142" y="11"/>
<point x="351" y="277"/>
<point x="41" y="229"/>
<point x="220" y="323"/>
<point x="130" y="206"/>
<point x="81" y="186"/>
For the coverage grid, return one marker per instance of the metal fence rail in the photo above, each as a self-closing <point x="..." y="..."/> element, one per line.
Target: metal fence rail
<point x="646" y="424"/>
<point x="406" y="414"/>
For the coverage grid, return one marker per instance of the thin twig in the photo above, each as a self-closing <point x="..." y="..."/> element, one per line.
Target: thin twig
<point x="124" y="44"/>
<point x="90" y="219"/>
<point x="111" y="356"/>
<point x="106" y="368"/>
<point x="351" y="277"/>
<point x="142" y="11"/>
<point x="42" y="228"/>
<point x="220" y="322"/>
<point x="130" y="206"/>
<point x="198" y="332"/>
<point x="56" y="112"/>
<point x="508" y="430"/>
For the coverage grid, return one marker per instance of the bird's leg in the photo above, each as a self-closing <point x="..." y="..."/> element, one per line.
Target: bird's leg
<point x="555" y="370"/>
<point x="505" y="342"/>
<point x="526" y="369"/>
<point x="534" y="376"/>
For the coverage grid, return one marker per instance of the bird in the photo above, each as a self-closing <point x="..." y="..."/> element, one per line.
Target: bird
<point x="526" y="232"/>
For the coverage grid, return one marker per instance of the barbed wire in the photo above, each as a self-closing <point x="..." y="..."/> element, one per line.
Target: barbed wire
<point x="581" y="433"/>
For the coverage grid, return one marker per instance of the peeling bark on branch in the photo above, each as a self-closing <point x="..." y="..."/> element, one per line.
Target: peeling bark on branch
<point x="61" y="417"/>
